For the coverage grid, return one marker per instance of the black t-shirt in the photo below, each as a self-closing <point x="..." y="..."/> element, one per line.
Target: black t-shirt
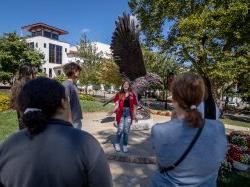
<point x="126" y="102"/>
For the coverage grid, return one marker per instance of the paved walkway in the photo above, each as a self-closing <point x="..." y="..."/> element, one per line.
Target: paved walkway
<point x="127" y="169"/>
<point x="237" y="128"/>
<point x="101" y="126"/>
<point x="125" y="174"/>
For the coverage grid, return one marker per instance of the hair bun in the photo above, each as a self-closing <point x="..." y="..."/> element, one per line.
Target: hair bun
<point x="34" y="120"/>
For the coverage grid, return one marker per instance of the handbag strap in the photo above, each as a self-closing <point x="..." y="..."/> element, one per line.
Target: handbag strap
<point x="183" y="156"/>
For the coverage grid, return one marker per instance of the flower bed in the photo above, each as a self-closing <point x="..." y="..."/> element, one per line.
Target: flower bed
<point x="161" y="113"/>
<point x="4" y="102"/>
<point x="239" y="150"/>
<point x="87" y="97"/>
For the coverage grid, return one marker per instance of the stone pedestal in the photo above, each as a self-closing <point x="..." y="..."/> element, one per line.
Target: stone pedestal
<point x="143" y="124"/>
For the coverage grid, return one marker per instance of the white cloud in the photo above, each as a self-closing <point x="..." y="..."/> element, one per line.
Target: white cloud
<point x="85" y="30"/>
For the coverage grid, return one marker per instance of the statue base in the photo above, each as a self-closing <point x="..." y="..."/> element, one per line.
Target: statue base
<point x="142" y="125"/>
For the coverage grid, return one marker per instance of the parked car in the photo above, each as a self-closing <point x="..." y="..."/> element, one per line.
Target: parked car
<point x="111" y="91"/>
<point x="232" y="104"/>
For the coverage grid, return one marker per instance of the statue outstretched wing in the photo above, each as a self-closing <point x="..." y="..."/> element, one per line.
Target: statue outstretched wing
<point x="126" y="48"/>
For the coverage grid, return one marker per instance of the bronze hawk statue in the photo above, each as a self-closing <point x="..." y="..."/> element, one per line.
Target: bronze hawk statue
<point x="127" y="54"/>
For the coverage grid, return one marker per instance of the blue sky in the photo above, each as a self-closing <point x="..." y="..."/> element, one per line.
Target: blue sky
<point x="97" y="17"/>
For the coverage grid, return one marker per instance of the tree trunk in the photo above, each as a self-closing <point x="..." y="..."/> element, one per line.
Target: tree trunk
<point x="209" y="103"/>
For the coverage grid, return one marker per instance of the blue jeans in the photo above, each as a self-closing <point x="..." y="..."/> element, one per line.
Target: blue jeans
<point x="124" y="127"/>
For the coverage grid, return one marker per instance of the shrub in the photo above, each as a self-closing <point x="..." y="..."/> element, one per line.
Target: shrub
<point x="60" y="78"/>
<point x="239" y="140"/>
<point x="245" y="158"/>
<point x="87" y="97"/>
<point x="4" y="102"/>
<point x="225" y="169"/>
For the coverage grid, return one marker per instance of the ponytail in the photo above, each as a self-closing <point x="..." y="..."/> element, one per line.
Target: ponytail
<point x="194" y="118"/>
<point x="188" y="91"/>
<point x="34" y="121"/>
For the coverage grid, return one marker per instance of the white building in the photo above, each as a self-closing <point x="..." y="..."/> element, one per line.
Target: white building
<point x="45" y="38"/>
<point x="103" y="48"/>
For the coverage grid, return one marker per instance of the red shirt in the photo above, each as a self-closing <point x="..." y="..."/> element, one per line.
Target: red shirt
<point x="120" y="99"/>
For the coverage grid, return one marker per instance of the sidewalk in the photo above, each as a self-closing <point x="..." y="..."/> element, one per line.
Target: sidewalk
<point x="101" y="127"/>
<point x="125" y="173"/>
<point x="237" y="128"/>
<point x="132" y="169"/>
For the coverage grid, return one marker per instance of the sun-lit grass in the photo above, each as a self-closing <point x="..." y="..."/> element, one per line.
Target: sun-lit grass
<point x="235" y="122"/>
<point x="8" y="119"/>
<point x="95" y="106"/>
<point x="8" y="123"/>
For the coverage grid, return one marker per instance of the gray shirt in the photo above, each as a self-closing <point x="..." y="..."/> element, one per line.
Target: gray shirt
<point x="72" y="94"/>
<point x="200" y="167"/>
<point x="60" y="156"/>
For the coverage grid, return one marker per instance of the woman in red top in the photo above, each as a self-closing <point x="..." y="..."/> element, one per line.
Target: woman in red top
<point x="125" y="109"/>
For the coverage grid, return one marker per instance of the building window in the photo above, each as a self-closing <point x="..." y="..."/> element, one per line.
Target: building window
<point x="31" y="45"/>
<point x="47" y="34"/>
<point x="55" y="54"/>
<point x="37" y="33"/>
<point x="44" y="70"/>
<point x="65" y="50"/>
<point x="59" y="54"/>
<point x="52" y="53"/>
<point x="55" y="36"/>
<point x="44" y="45"/>
<point x="50" y="72"/>
<point x="36" y="45"/>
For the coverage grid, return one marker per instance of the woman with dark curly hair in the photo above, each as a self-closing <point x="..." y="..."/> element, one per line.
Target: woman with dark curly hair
<point x="49" y="151"/>
<point x="26" y="72"/>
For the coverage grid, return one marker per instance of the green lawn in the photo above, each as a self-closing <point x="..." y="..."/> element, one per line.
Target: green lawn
<point x="95" y="106"/>
<point x="235" y="122"/>
<point x="8" y="119"/>
<point x="8" y="123"/>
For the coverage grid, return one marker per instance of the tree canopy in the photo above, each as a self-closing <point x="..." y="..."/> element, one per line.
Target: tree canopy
<point x="109" y="73"/>
<point x="13" y="52"/>
<point x="211" y="36"/>
<point x="92" y="61"/>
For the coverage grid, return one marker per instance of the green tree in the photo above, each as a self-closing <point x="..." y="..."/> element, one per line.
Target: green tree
<point x="13" y="52"/>
<point x="92" y="61"/>
<point x="109" y="73"/>
<point x="211" y="36"/>
<point x="159" y="63"/>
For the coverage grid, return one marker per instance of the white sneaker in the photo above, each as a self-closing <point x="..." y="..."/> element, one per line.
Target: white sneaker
<point x="125" y="148"/>
<point x="117" y="147"/>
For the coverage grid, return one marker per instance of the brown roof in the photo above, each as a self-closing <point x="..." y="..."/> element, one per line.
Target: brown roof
<point x="44" y="26"/>
<point x="72" y="52"/>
